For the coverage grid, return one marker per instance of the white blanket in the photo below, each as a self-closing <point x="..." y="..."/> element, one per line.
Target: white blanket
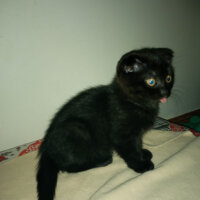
<point x="176" y="175"/>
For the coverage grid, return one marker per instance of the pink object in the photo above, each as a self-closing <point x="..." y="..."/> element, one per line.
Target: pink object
<point x="163" y="100"/>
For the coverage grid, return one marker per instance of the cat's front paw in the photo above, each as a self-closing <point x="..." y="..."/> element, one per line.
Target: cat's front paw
<point x="146" y="154"/>
<point x="142" y="166"/>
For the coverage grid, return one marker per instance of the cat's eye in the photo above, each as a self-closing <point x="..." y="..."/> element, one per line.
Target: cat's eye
<point x="151" y="82"/>
<point x="168" y="79"/>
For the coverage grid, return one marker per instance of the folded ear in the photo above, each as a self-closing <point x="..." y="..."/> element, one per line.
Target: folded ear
<point x="136" y="66"/>
<point x="166" y="53"/>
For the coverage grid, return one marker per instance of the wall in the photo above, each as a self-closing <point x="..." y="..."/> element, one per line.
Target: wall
<point x="51" y="49"/>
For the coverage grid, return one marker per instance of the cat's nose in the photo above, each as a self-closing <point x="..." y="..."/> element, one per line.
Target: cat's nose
<point x="163" y="93"/>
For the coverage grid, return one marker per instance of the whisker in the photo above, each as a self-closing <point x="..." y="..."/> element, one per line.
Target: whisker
<point x="176" y="97"/>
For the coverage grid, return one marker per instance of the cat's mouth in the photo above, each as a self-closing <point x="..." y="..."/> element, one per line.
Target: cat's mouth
<point x="163" y="100"/>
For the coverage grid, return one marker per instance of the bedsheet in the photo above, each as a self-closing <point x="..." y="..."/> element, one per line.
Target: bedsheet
<point x="176" y="174"/>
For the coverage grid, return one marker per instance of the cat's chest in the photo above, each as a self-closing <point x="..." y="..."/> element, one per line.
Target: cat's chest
<point x="134" y="116"/>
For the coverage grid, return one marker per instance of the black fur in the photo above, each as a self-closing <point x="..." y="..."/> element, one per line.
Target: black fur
<point x="86" y="130"/>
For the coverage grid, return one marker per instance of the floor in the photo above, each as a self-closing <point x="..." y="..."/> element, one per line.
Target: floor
<point x="185" y="117"/>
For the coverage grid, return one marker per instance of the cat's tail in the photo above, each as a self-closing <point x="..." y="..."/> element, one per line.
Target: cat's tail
<point x="46" y="178"/>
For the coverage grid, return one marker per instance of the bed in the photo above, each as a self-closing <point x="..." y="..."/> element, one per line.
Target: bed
<point x="176" y="175"/>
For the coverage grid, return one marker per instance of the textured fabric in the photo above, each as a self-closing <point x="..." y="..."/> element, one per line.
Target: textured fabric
<point x="176" y="174"/>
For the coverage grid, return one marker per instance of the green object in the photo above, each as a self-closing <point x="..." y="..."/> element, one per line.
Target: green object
<point x="194" y="123"/>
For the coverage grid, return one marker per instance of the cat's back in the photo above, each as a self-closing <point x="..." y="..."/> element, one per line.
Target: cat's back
<point x="88" y="104"/>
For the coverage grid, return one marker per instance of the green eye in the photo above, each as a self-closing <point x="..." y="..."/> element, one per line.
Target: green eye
<point x="168" y="79"/>
<point x="151" y="82"/>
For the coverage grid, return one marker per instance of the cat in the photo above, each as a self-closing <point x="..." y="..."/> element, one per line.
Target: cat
<point x="88" y="128"/>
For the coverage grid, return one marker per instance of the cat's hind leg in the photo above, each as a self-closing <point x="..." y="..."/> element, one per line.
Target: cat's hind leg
<point x="75" y="150"/>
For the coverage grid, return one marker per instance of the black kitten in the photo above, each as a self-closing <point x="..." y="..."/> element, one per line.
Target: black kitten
<point x="86" y="130"/>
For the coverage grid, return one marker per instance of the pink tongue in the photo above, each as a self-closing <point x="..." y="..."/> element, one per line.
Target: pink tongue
<point x="163" y="100"/>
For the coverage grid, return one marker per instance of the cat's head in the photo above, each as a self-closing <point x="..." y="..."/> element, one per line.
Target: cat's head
<point x="146" y="74"/>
